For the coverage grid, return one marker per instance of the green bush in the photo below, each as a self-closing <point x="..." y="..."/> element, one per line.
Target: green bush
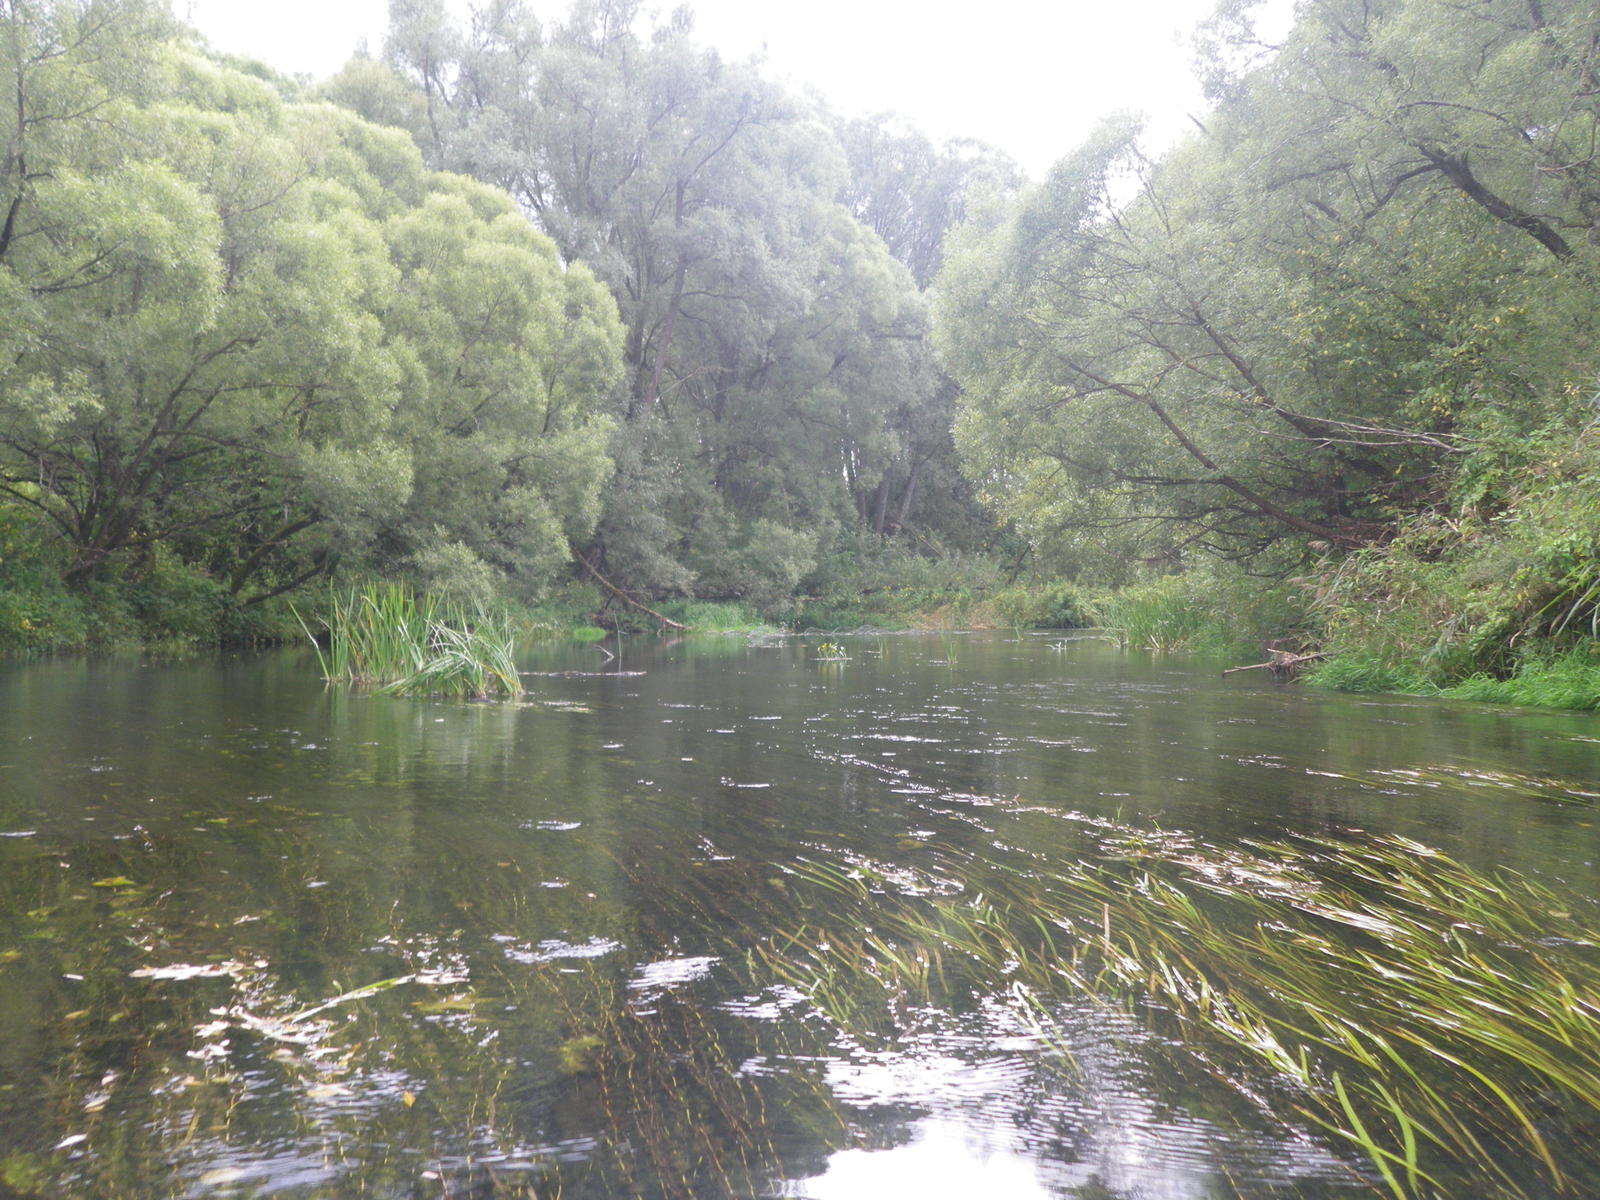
<point x="708" y="616"/>
<point x="1486" y="601"/>
<point x="1215" y="610"/>
<point x="172" y="602"/>
<point x="1043" y="606"/>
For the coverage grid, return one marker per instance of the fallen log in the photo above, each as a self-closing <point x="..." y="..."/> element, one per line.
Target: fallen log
<point x="1282" y="662"/>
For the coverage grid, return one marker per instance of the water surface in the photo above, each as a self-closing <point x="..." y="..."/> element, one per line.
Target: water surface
<point x="259" y="937"/>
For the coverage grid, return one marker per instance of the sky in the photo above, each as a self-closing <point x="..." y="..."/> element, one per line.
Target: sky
<point x="1032" y="77"/>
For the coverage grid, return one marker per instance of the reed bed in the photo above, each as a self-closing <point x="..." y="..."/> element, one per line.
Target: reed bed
<point x="1438" y="1027"/>
<point x="390" y="638"/>
<point x="1163" y="615"/>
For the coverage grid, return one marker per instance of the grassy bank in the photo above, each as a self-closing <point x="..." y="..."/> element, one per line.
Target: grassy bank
<point x="1214" y="614"/>
<point x="1545" y="677"/>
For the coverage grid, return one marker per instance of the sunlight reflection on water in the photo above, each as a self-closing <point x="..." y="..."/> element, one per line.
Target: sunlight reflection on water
<point x="945" y="1160"/>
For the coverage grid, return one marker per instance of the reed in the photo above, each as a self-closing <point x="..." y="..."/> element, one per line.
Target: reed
<point x="387" y="637"/>
<point x="1162" y="615"/>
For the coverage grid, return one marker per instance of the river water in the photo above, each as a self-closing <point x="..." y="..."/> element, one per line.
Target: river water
<point x="261" y="937"/>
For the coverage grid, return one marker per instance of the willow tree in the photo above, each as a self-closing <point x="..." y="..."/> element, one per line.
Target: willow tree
<point x="1294" y="330"/>
<point x="769" y="338"/>
<point x="227" y="336"/>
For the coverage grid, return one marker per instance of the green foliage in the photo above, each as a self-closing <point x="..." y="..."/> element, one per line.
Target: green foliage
<point x="1214" y="610"/>
<point x="25" y="1174"/>
<point x="249" y="338"/>
<point x="707" y="616"/>
<point x="1257" y="347"/>
<point x="1164" y="614"/>
<point x="779" y="384"/>
<point x="1497" y="602"/>
<point x="388" y="637"/>
<point x="175" y="602"/>
<point x="1570" y="680"/>
<point x="1346" y="336"/>
<point x="1367" y="673"/>
<point x="1404" y="1004"/>
<point x="762" y="567"/>
<point x="1040" y="606"/>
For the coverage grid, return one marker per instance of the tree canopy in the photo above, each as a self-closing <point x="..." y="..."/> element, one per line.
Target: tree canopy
<point x="780" y="389"/>
<point x="1304" y="326"/>
<point x="257" y="332"/>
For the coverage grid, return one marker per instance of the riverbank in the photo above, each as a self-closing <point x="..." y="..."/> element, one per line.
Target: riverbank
<point x="1378" y="644"/>
<point x="1220" y="616"/>
<point x="170" y="605"/>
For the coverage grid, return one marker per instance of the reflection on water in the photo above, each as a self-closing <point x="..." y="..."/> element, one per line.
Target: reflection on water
<point x="943" y="1161"/>
<point x="258" y="937"/>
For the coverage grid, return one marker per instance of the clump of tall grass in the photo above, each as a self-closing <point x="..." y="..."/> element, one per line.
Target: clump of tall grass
<point x="1439" y="1026"/>
<point x="1162" y="615"/>
<point x="706" y="616"/>
<point x="1213" y="611"/>
<point x="1570" y="680"/>
<point x="388" y="637"/>
<point x="1366" y="673"/>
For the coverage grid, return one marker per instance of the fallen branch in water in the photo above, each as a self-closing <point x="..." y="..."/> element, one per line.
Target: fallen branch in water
<point x="1282" y="662"/>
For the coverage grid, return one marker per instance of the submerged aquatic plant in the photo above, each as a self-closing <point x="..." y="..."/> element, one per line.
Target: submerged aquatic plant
<point x="1437" y="1025"/>
<point x="386" y="636"/>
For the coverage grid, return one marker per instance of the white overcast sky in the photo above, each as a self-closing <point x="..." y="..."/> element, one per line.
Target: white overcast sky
<point x="1029" y="76"/>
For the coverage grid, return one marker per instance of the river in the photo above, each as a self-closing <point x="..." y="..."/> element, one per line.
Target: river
<point x="653" y="930"/>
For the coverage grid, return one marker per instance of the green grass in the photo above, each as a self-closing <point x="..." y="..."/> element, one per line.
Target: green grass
<point x="1369" y="674"/>
<point x="386" y="636"/>
<point x="1570" y="680"/>
<point x="708" y="616"/>
<point x="1021" y="606"/>
<point x="1567" y="680"/>
<point x="1174" y="613"/>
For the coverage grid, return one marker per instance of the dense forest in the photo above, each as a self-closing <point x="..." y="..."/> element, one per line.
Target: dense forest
<point x="578" y="305"/>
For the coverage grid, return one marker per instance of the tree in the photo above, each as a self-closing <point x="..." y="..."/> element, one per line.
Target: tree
<point x="189" y="331"/>
<point x="262" y="334"/>
<point x="1288" y="332"/>
<point x="912" y="194"/>
<point x="770" y="340"/>
<point x="513" y="361"/>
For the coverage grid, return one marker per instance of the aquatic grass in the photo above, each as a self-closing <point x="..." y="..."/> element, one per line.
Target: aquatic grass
<point x="388" y="637"/>
<point x="1570" y="680"/>
<point x="1440" y="1025"/>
